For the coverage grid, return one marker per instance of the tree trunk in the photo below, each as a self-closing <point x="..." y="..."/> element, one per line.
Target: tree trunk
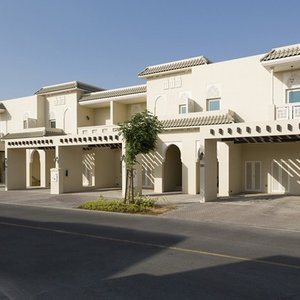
<point x="132" y="186"/>
<point x="126" y="186"/>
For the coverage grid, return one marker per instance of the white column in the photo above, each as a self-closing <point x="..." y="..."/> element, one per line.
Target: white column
<point x="56" y="178"/>
<point x="15" y="169"/>
<point x="209" y="172"/>
<point x="28" y="167"/>
<point x="42" y="168"/>
<point x="224" y="174"/>
<point x="123" y="171"/>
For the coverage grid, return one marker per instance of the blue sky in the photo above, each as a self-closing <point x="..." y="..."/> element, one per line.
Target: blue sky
<point x="106" y="43"/>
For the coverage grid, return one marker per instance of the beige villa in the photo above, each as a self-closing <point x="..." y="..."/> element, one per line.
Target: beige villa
<point x="230" y="127"/>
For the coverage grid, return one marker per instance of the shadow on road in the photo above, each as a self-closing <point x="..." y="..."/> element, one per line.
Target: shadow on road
<point x="57" y="260"/>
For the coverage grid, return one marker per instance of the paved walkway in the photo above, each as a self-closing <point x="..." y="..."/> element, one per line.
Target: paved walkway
<point x="273" y="211"/>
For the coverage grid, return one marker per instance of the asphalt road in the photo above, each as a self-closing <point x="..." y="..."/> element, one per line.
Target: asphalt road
<point x="68" y="254"/>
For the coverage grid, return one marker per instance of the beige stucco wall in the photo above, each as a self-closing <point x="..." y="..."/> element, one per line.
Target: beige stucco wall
<point x="16" y="169"/>
<point x="238" y="83"/>
<point x="2" y="166"/>
<point x="119" y="112"/>
<point x="164" y="96"/>
<point x="188" y="144"/>
<point x="64" y="108"/>
<point x="107" y="171"/>
<point x="85" y="116"/>
<point x="102" y="116"/>
<point x="70" y="163"/>
<point x="282" y="83"/>
<point x="287" y="153"/>
<point x="41" y="111"/>
<point x="16" y="109"/>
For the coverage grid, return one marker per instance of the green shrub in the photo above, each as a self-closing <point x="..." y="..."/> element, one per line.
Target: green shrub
<point x="145" y="201"/>
<point x="116" y="206"/>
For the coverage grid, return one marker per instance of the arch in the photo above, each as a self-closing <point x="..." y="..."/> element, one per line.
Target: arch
<point x="159" y="105"/>
<point x="35" y="169"/>
<point x="213" y="91"/>
<point x="172" y="169"/>
<point x="67" y="122"/>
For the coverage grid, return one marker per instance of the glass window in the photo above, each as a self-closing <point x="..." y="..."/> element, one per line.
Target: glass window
<point x="293" y="96"/>
<point x="213" y="104"/>
<point x="25" y="124"/>
<point x="182" y="109"/>
<point x="52" y="123"/>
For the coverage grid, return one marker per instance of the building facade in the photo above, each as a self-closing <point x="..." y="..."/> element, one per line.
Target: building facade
<point x="229" y="127"/>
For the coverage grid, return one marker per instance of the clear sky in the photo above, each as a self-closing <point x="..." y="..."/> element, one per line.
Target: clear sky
<point x="106" y="43"/>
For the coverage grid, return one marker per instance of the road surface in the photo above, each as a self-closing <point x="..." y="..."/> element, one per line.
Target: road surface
<point x="50" y="253"/>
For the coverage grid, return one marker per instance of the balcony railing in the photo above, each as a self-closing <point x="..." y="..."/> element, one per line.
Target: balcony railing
<point x="287" y="112"/>
<point x="88" y="130"/>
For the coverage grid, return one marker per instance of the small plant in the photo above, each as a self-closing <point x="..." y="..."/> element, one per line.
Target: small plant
<point x="114" y="206"/>
<point x="145" y="201"/>
<point x="142" y="205"/>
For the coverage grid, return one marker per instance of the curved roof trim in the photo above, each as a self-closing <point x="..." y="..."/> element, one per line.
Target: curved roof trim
<point x="198" y="121"/>
<point x="283" y="52"/>
<point x="66" y="87"/>
<point x="174" y="66"/>
<point x="131" y="90"/>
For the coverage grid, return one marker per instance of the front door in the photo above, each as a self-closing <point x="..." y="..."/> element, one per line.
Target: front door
<point x="253" y="176"/>
<point x="280" y="177"/>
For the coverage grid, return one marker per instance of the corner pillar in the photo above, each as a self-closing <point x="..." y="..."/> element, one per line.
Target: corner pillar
<point x="209" y="172"/>
<point x="15" y="173"/>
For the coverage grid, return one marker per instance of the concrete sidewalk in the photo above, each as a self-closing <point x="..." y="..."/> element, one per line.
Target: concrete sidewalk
<point x="274" y="211"/>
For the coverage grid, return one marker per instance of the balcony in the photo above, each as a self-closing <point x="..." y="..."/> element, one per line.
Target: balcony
<point x="287" y="112"/>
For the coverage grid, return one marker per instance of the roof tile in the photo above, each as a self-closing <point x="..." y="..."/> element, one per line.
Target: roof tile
<point x="176" y="65"/>
<point x="198" y="121"/>
<point x="115" y="93"/>
<point x="68" y="86"/>
<point x="282" y="53"/>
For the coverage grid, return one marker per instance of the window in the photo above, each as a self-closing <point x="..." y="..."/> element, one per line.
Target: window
<point x="182" y="109"/>
<point x="213" y="104"/>
<point x="52" y="123"/>
<point x="293" y="96"/>
<point x="25" y="120"/>
<point x="25" y="124"/>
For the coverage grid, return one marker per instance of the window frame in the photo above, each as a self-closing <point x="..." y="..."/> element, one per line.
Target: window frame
<point x="52" y="121"/>
<point x="208" y="101"/>
<point x="181" y="107"/>
<point x="25" y="123"/>
<point x="288" y="91"/>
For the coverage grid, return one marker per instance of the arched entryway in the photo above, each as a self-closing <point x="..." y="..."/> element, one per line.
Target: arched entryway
<point x="172" y="172"/>
<point x="35" y="168"/>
